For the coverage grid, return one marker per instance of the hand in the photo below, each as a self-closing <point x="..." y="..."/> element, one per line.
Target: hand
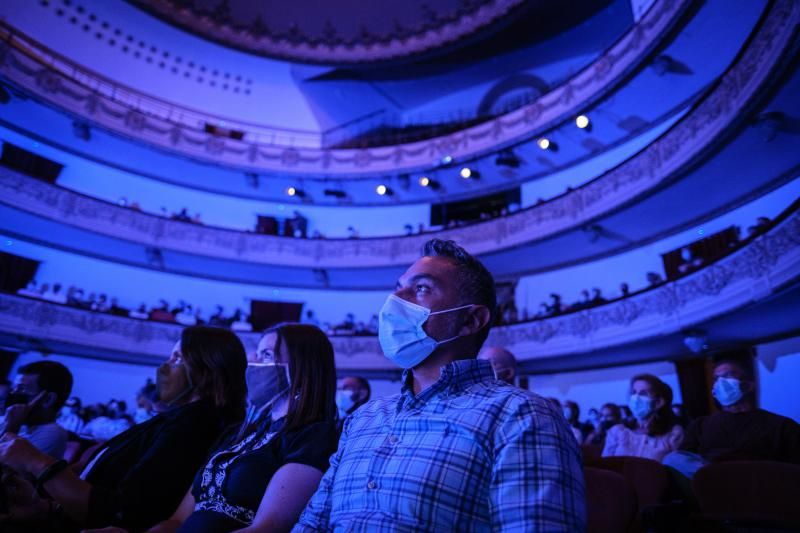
<point x="17" y="414"/>
<point x="21" y="455"/>
<point x="24" y="505"/>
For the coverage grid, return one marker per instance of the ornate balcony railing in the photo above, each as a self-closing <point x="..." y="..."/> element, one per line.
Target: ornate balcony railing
<point x="650" y="169"/>
<point x="760" y="268"/>
<point x="77" y="90"/>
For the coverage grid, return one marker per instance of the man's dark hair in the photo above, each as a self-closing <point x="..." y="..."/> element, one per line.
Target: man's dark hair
<point x="475" y="283"/>
<point x="364" y="384"/>
<point x="51" y="377"/>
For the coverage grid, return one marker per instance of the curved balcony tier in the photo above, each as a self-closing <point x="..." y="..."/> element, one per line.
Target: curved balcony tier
<point x="164" y="124"/>
<point x="722" y="298"/>
<point x="654" y="180"/>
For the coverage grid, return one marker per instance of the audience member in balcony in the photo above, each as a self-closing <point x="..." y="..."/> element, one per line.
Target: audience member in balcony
<point x="138" y="478"/>
<point x="161" y="313"/>
<point x="654" y="278"/>
<point x="218" y="319"/>
<point x="118" y="310"/>
<point x="352" y="393"/>
<point x="456" y="449"/>
<point x="654" y="433"/>
<point x="310" y="318"/>
<point x="372" y="325"/>
<point x="29" y="290"/>
<point x="609" y="416"/>
<point x="740" y="430"/>
<point x="101" y="304"/>
<point x="70" y="416"/>
<point x="762" y="223"/>
<point x="109" y="425"/>
<point x="44" y="288"/>
<point x="140" y="313"/>
<point x="146" y="400"/>
<point x="352" y="233"/>
<point x="504" y="364"/>
<point x="572" y="412"/>
<point x="75" y="297"/>
<point x="263" y="474"/>
<point x="40" y="390"/>
<point x="409" y="229"/>
<point x="624" y="290"/>
<point x="597" y="297"/>
<point x="185" y="315"/>
<point x="300" y="224"/>
<point x="240" y="321"/>
<point x="55" y="295"/>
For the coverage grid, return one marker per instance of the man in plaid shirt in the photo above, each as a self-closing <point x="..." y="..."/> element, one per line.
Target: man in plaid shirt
<point x="457" y="449"/>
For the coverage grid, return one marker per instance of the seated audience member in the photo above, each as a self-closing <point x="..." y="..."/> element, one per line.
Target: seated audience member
<point x="655" y="433"/>
<point x="40" y="389"/>
<point x="456" y="450"/>
<point x="593" y="418"/>
<point x="503" y="362"/>
<point x="161" y="313"/>
<point x="138" y="478"/>
<point x="70" y="418"/>
<point x="140" y="313"/>
<point x="108" y="426"/>
<point x="353" y="392"/>
<point x="117" y="309"/>
<point x="241" y="322"/>
<point x="29" y="290"/>
<point x="573" y="413"/>
<point x="263" y="473"/>
<point x="610" y="415"/>
<point x="146" y="399"/>
<point x="739" y="430"/>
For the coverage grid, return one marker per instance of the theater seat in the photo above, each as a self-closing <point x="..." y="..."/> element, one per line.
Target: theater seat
<point x="650" y="479"/>
<point x="610" y="501"/>
<point x="760" y="494"/>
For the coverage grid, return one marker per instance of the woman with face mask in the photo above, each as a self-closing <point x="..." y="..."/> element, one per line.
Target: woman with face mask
<point x="654" y="432"/>
<point x="263" y="474"/>
<point x="137" y="479"/>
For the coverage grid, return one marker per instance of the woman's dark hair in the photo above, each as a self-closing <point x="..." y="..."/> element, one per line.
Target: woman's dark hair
<point x="663" y="419"/>
<point x="217" y="361"/>
<point x="576" y="413"/>
<point x="312" y="371"/>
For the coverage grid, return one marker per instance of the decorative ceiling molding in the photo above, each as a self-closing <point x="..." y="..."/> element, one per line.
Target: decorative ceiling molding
<point x="71" y="87"/>
<point x="682" y="145"/>
<point x="435" y="26"/>
<point x="754" y="272"/>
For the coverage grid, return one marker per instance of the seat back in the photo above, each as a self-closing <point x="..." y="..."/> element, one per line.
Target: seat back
<point x="610" y="501"/>
<point x="650" y="479"/>
<point x="750" y="490"/>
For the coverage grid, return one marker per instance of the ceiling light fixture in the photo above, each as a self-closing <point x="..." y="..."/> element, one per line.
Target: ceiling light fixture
<point x="582" y="121"/>
<point x="544" y="143"/>
<point x="466" y="173"/>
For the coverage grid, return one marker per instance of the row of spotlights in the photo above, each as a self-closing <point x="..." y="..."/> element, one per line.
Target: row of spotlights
<point x="581" y="121"/>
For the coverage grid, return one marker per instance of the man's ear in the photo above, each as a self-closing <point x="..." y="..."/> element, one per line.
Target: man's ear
<point x="48" y="400"/>
<point x="477" y="318"/>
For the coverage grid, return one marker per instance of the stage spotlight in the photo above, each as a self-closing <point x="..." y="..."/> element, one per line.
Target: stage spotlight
<point x="544" y="143"/>
<point x="294" y="191"/>
<point x="424" y="181"/>
<point x="466" y="173"/>
<point x="383" y="190"/>
<point x="582" y="121"/>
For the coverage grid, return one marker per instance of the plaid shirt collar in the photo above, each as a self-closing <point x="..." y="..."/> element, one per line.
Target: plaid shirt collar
<point x="455" y="377"/>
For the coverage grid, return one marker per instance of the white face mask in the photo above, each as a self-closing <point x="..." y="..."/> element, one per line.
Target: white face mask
<point x="400" y="332"/>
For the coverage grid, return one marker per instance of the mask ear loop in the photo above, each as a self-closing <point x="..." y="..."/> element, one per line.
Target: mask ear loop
<point x="252" y="414"/>
<point x="439" y="343"/>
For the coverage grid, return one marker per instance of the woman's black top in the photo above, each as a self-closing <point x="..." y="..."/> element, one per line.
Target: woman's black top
<point x="229" y="489"/>
<point x="140" y="476"/>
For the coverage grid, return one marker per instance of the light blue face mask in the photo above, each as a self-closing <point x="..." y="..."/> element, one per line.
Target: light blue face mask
<point x="641" y="406"/>
<point x="727" y="391"/>
<point x="400" y="332"/>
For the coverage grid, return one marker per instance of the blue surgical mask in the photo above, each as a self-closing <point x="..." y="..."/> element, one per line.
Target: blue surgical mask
<point x="344" y="401"/>
<point x="266" y="382"/>
<point x="727" y="391"/>
<point x="400" y="332"/>
<point x="641" y="406"/>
